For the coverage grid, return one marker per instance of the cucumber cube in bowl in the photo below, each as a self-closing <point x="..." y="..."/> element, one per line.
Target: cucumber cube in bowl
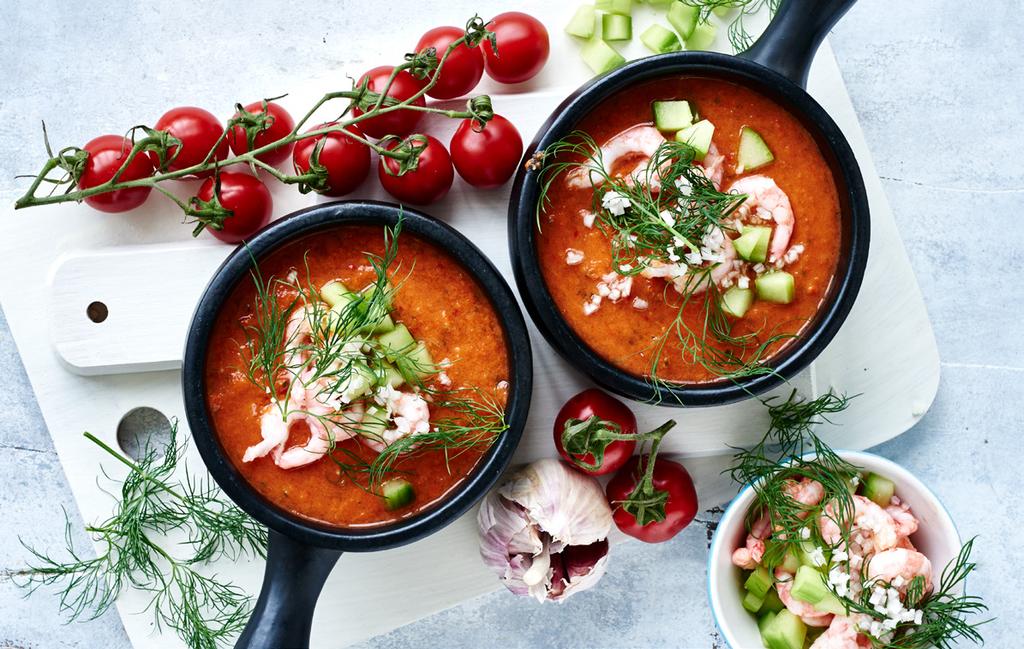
<point x="752" y="245"/>
<point x="776" y="286"/>
<point x="753" y="152"/>
<point x="698" y="136"/>
<point x="672" y="115"/>
<point x="785" y="631"/>
<point x="737" y="301"/>
<point x="879" y="489"/>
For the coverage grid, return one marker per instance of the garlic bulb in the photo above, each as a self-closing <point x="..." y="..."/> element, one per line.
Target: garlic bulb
<point x="544" y="531"/>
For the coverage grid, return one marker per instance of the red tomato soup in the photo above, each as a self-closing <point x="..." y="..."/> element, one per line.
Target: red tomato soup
<point x="575" y="249"/>
<point x="435" y="299"/>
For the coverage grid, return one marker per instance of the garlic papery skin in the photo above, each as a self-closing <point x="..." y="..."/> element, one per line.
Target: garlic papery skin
<point x="544" y="531"/>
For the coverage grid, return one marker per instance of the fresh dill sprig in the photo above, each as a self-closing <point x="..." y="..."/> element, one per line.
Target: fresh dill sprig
<point x="739" y="35"/>
<point x="204" y="611"/>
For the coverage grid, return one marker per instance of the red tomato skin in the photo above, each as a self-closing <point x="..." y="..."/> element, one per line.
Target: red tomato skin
<point x="106" y="155"/>
<point x="487" y="157"/>
<point x="463" y="68"/>
<point x="281" y="126"/>
<point x="429" y="183"/>
<point x="400" y="122"/>
<point x="595" y="402"/>
<point x="523" y="47"/>
<point x="199" y="131"/>
<point x="347" y="160"/>
<point x="247" y="197"/>
<point x="680" y="509"/>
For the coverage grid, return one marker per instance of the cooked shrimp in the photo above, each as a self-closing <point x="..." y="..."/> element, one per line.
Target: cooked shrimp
<point x="906" y="564"/>
<point x="323" y="430"/>
<point x="805" y="491"/>
<point x="749" y="557"/>
<point x="411" y="416"/>
<point x="873" y="529"/>
<point x="768" y="201"/>
<point x="906" y="523"/>
<point x="784" y="585"/>
<point x="818" y="620"/>
<point x="841" y="634"/>
<point x="714" y="166"/>
<point x="274" y="429"/>
<point x="638" y="142"/>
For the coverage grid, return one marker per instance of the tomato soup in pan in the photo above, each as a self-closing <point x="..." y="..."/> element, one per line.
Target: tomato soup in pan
<point x="681" y="278"/>
<point x="356" y="378"/>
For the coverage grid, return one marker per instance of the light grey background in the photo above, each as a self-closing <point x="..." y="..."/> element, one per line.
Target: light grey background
<point x="939" y="89"/>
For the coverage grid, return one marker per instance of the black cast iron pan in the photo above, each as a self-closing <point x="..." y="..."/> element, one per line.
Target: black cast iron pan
<point x="776" y="66"/>
<point x="301" y="552"/>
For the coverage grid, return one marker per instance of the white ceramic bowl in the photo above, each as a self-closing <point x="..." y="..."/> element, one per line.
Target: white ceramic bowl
<point x="937" y="538"/>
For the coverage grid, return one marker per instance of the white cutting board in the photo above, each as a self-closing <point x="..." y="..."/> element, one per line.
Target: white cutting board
<point x="53" y="262"/>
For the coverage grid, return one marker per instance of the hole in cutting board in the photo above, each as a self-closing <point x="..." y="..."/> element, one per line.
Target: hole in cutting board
<point x="97" y="311"/>
<point x="141" y="427"/>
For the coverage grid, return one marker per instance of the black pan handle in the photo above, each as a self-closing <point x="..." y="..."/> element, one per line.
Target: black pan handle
<point x="294" y="577"/>
<point x="790" y="41"/>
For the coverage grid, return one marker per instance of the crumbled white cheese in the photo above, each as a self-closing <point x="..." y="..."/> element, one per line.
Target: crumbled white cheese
<point x="588" y="218"/>
<point x="444" y="379"/>
<point x="589" y="308"/>
<point x="615" y="203"/>
<point x="743" y="282"/>
<point x="817" y="556"/>
<point x="573" y="256"/>
<point x="684" y="186"/>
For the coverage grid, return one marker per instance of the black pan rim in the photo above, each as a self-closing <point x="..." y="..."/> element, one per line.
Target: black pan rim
<point x="235" y="268"/>
<point x="798" y="354"/>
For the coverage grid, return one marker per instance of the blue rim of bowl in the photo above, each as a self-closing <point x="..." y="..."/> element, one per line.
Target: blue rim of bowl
<point x="716" y="537"/>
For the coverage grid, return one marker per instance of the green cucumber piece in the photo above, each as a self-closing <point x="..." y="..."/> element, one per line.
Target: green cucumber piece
<point x="752" y="245"/>
<point x="683" y="18"/>
<point x="879" y="489"/>
<point x="672" y="115"/>
<point x="389" y="375"/>
<point x="420" y="361"/>
<point x="722" y="10"/>
<point x="790" y="562"/>
<point x="809" y="586"/>
<point x="360" y="381"/>
<point x="583" y="23"/>
<point x="753" y="152"/>
<point x="785" y="631"/>
<point x="764" y="620"/>
<point x="384" y="325"/>
<point x="622" y="7"/>
<point x="698" y="136"/>
<point x="396" y="342"/>
<point x="374" y="423"/>
<point x="772" y="603"/>
<point x="616" y="27"/>
<point x="736" y="301"/>
<point x="397" y="493"/>
<point x="702" y="37"/>
<point x="660" y="40"/>
<point x="777" y="286"/>
<point x="759" y="581"/>
<point x="333" y="292"/>
<point x="600" y="56"/>
<point x="752" y="602"/>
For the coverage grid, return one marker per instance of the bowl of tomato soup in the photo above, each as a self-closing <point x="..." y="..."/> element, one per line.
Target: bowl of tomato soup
<point x="690" y="229"/>
<point x="356" y="377"/>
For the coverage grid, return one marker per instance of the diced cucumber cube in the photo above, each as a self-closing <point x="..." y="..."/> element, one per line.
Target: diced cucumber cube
<point x="359" y="381"/>
<point x="333" y="292"/>
<point x="672" y="115"/>
<point x="790" y="562"/>
<point x="772" y="602"/>
<point x="698" y="136"/>
<point x="752" y="245"/>
<point x="660" y="40"/>
<point x="600" y="56"/>
<point x="702" y="37"/>
<point x="879" y="489"/>
<point x="777" y="286"/>
<point x="785" y="631"/>
<point x="753" y="152"/>
<point x="583" y="23"/>
<point x="374" y="423"/>
<point x="759" y="581"/>
<point x="736" y="301"/>
<point x="616" y="27"/>
<point x="683" y="18"/>
<point x="390" y="376"/>
<point x="622" y="7"/>
<point x="397" y="493"/>
<point x="384" y="325"/>
<point x="386" y="293"/>
<point x="809" y="586"/>
<point x="420" y="361"/>
<point x="396" y="342"/>
<point x="752" y="602"/>
<point x="764" y="620"/>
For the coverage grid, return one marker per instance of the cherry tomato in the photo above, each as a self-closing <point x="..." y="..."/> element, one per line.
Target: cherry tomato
<point x="346" y="159"/>
<point x="603" y="413"/>
<point x="106" y="155"/>
<point x="488" y="156"/>
<point x="279" y="124"/>
<point x="523" y="47"/>
<point x="248" y="199"/>
<point x="199" y="131"/>
<point x="462" y="69"/>
<point x="677" y="511"/>
<point x="400" y="122"/>
<point x="427" y="183"/>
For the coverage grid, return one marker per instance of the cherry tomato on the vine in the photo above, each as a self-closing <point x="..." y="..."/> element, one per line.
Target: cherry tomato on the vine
<point x="199" y="131"/>
<point x="594" y="416"/>
<point x="248" y="199"/>
<point x="107" y="154"/>
<point x="346" y="159"/>
<point x="631" y="501"/>
<point x="462" y="69"/>
<point x="427" y="183"/>
<point x="487" y="156"/>
<point x="400" y="122"/>
<point x="523" y="47"/>
<point x="278" y="125"/>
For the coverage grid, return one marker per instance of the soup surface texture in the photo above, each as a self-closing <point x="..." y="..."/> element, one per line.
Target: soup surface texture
<point x="575" y="253"/>
<point x="435" y="297"/>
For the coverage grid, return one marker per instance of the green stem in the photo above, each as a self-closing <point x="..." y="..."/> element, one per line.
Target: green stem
<point x="131" y="465"/>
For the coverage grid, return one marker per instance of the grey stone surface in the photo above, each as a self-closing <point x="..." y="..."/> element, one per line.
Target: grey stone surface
<point x="938" y="89"/>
